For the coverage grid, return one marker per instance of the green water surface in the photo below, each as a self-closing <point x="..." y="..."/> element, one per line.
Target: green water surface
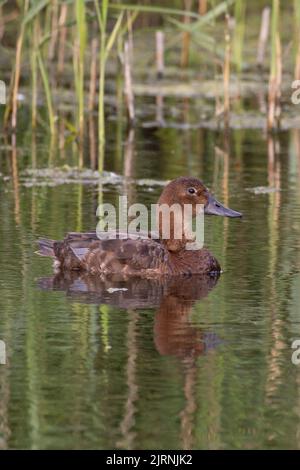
<point x="182" y="366"/>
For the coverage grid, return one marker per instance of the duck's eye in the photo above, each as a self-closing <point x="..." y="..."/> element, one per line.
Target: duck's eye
<point x="192" y="190"/>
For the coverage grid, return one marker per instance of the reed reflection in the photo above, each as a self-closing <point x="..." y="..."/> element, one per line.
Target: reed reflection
<point x="174" y="333"/>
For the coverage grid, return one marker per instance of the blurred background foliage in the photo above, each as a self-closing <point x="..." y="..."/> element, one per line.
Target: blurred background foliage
<point x="92" y="86"/>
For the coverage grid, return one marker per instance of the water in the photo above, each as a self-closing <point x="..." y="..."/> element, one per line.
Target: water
<point x="193" y="364"/>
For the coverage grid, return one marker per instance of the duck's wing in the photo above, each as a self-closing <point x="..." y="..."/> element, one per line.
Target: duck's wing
<point x="125" y="255"/>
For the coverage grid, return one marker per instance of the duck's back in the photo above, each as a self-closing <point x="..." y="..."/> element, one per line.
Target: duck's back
<point x="85" y="251"/>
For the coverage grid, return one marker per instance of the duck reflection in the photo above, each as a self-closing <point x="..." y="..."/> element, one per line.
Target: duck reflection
<point x="173" y="298"/>
<point x="174" y="332"/>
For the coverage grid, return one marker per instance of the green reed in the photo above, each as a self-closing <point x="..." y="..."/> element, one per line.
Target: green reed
<point x="297" y="39"/>
<point x="43" y="26"/>
<point x="79" y="55"/>
<point x="52" y="34"/>
<point x="102" y="22"/>
<point x="47" y="89"/>
<point x="12" y="107"/>
<point x="106" y="44"/>
<point x="239" y="34"/>
<point x="34" y="71"/>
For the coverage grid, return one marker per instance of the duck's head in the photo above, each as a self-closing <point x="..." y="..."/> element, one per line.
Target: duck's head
<point x="189" y="190"/>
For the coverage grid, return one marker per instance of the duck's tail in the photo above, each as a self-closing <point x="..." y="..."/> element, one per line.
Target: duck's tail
<point x="46" y="247"/>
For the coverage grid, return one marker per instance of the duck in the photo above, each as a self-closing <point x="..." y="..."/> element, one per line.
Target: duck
<point x="142" y="254"/>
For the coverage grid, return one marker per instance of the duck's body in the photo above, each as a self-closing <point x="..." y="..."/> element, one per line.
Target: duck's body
<point x="142" y="255"/>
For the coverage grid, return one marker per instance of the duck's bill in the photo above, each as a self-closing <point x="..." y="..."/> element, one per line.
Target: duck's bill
<point x="214" y="207"/>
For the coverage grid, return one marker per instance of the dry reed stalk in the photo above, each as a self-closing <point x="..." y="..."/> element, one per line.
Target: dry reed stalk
<point x="76" y="61"/>
<point x="79" y="112"/>
<point x="93" y="75"/>
<point x="18" y="70"/>
<point x="91" y="103"/>
<point x="2" y="24"/>
<point x="202" y="7"/>
<point x="62" y="38"/>
<point x="34" y="67"/>
<point x="128" y="90"/>
<point x="226" y="71"/>
<point x="263" y="36"/>
<point x="128" y="154"/>
<point x="54" y="30"/>
<point x="297" y="39"/>
<point x="275" y="70"/>
<point x="79" y="66"/>
<point x="8" y="107"/>
<point x="186" y="36"/>
<point x="130" y="36"/>
<point x="272" y="103"/>
<point x="159" y="41"/>
<point x="128" y="166"/>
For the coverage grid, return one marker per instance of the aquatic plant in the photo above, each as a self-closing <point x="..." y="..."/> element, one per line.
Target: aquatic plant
<point x="76" y="45"/>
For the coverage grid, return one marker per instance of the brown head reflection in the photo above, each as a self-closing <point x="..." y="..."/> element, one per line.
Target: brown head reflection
<point x="174" y="334"/>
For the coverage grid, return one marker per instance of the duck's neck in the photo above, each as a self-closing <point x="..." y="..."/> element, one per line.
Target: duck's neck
<point x="174" y="230"/>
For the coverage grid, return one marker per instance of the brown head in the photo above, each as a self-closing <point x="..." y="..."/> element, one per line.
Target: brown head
<point x="189" y="190"/>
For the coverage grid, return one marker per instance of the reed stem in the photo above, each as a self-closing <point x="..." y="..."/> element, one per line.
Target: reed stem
<point x="239" y="33"/>
<point x="202" y="7"/>
<point x="92" y="99"/>
<point x="47" y="89"/>
<point x="34" y="66"/>
<point x="186" y="36"/>
<point x="128" y="84"/>
<point x="62" y="37"/>
<point x="297" y="39"/>
<point x="160" y="40"/>
<point x="263" y="36"/>
<point x="18" y="69"/>
<point x="54" y="30"/>
<point x="226" y="71"/>
<point x="275" y="69"/>
<point x="102" y="20"/>
<point x="79" y="63"/>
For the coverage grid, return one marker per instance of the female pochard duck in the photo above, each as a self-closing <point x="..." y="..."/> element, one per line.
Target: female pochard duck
<point x="143" y="256"/>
